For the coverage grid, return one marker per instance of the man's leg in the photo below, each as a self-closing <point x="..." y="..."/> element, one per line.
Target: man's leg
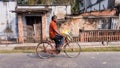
<point x="54" y="51"/>
<point x="59" y="40"/>
<point x="60" y="43"/>
<point x="57" y="44"/>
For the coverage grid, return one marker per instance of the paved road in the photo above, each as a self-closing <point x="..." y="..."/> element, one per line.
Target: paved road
<point x="85" y="60"/>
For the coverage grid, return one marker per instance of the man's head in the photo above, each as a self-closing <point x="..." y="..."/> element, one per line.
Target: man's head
<point x="54" y="18"/>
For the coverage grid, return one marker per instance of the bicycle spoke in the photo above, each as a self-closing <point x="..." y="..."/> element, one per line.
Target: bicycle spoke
<point x="41" y="50"/>
<point x="72" y="49"/>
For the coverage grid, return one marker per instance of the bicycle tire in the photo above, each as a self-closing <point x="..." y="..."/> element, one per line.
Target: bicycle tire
<point x="72" y="49"/>
<point x="40" y="50"/>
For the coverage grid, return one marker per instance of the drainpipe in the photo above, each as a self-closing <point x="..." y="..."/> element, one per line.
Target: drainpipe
<point x="5" y="4"/>
<point x="85" y="6"/>
<point x="119" y="22"/>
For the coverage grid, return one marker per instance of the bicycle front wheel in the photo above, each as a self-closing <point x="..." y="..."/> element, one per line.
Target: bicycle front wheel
<point x="72" y="49"/>
<point x="41" y="50"/>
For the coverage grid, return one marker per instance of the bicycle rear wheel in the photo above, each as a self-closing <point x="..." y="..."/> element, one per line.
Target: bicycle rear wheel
<point x="41" y="50"/>
<point x="72" y="49"/>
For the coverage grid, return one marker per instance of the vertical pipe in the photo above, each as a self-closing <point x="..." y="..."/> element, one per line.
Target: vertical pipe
<point x="85" y="6"/>
<point x="99" y="6"/>
<point x="119" y="22"/>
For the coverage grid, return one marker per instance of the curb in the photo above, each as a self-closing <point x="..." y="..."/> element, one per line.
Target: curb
<point x="25" y="46"/>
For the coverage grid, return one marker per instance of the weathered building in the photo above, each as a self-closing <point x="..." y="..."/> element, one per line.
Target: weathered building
<point x="95" y="5"/>
<point x="117" y="6"/>
<point x="29" y="19"/>
<point x="8" y="18"/>
<point x="94" y="15"/>
<point x="103" y="20"/>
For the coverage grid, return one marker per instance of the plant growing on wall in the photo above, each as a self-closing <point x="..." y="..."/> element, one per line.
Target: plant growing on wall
<point x="31" y="2"/>
<point x="8" y="29"/>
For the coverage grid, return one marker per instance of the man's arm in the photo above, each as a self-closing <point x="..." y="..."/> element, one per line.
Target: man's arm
<point x="57" y="31"/>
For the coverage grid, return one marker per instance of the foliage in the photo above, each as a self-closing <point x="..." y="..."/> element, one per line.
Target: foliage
<point x="8" y="29"/>
<point x="75" y="6"/>
<point x="31" y="49"/>
<point x="31" y="2"/>
<point x="43" y="2"/>
<point x="74" y="3"/>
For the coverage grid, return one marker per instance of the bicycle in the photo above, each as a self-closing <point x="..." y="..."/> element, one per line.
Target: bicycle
<point x="70" y="48"/>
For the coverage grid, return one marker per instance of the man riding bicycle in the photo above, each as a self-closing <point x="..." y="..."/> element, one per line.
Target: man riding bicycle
<point x="45" y="49"/>
<point x="55" y="35"/>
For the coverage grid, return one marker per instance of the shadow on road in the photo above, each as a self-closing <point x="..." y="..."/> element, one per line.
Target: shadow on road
<point x="34" y="55"/>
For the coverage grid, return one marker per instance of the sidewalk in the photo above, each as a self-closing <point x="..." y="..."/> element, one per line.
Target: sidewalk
<point x="99" y="44"/>
<point x="82" y="44"/>
<point x="12" y="46"/>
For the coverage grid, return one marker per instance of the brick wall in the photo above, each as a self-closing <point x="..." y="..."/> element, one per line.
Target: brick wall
<point x="20" y="29"/>
<point x="44" y="26"/>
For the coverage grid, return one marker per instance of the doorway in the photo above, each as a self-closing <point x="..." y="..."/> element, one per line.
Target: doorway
<point x="33" y="29"/>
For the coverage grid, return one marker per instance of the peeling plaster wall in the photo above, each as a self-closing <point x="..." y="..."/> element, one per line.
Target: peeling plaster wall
<point x="88" y="24"/>
<point x="7" y="15"/>
<point x="73" y="25"/>
<point x="60" y="11"/>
